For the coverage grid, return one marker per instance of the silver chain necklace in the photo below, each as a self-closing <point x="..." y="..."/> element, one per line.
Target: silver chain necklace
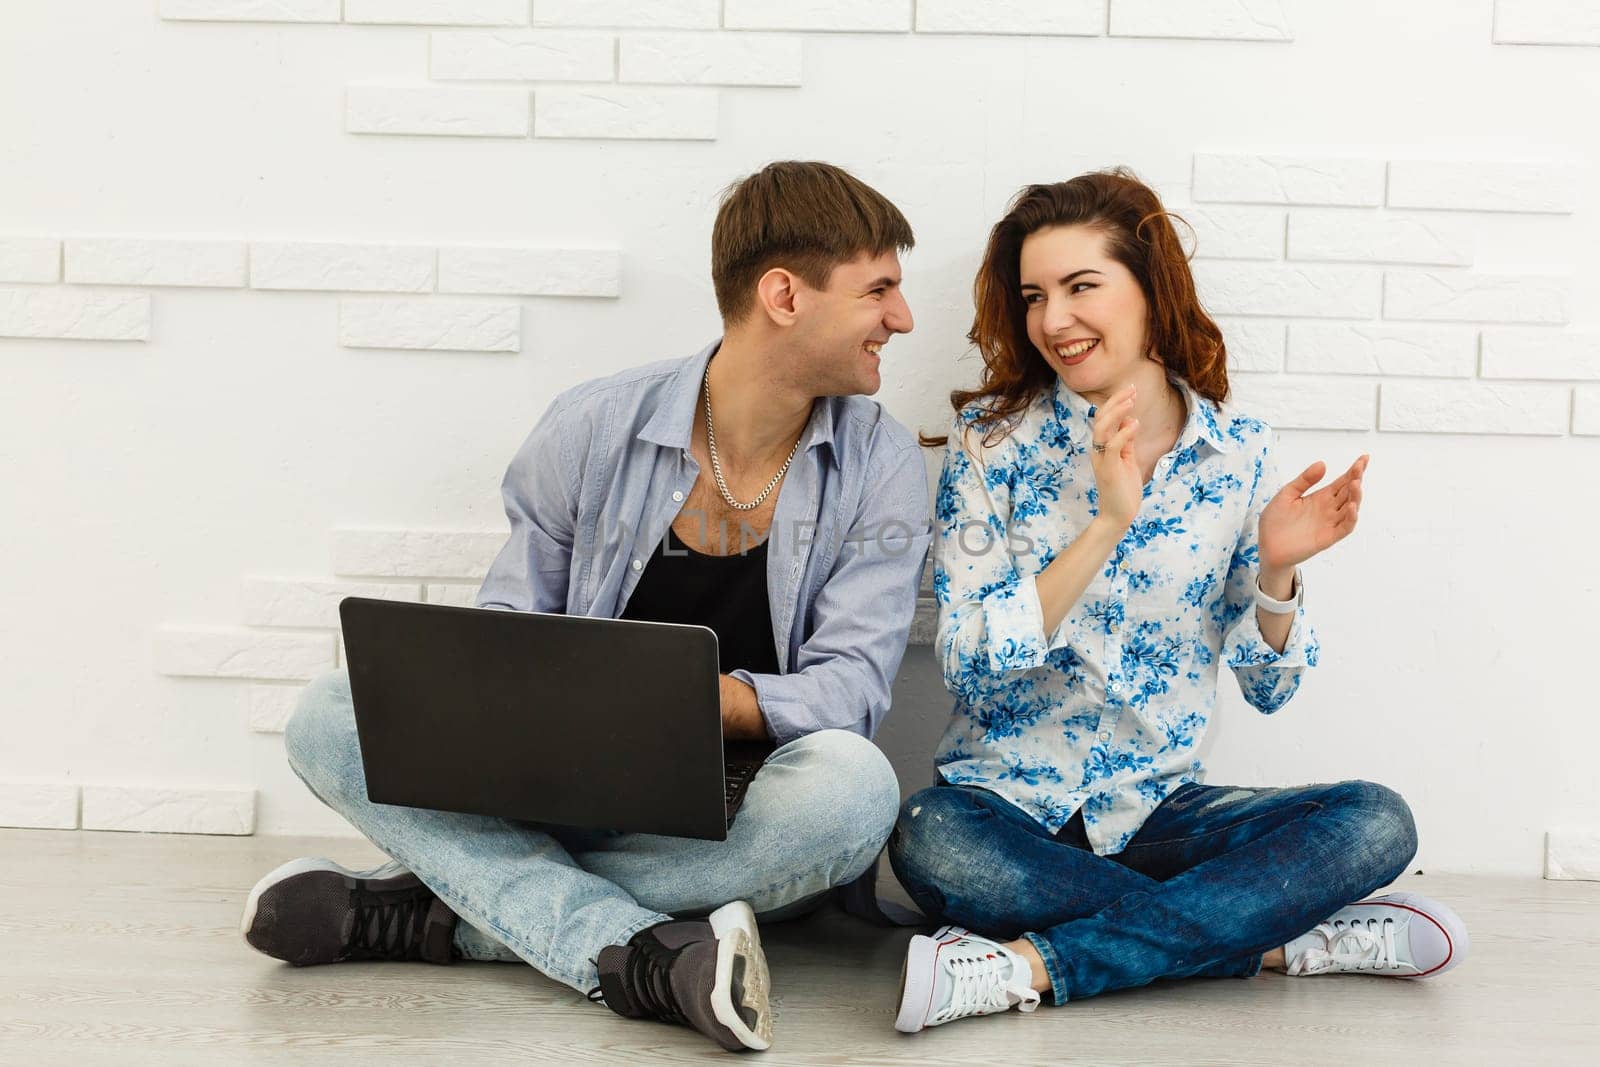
<point x="716" y="464"/>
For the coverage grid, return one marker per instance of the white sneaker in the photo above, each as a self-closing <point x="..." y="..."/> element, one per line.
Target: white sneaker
<point x="954" y="974"/>
<point x="1401" y="935"/>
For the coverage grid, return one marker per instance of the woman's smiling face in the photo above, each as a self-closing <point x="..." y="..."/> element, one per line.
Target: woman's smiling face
<point x="1087" y="315"/>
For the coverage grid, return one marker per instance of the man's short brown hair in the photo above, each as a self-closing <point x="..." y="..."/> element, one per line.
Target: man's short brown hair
<point x="804" y="217"/>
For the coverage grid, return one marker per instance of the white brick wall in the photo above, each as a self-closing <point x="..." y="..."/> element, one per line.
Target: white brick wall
<point x="1586" y="411"/>
<point x="1363" y="348"/>
<point x="1547" y="22"/>
<point x="1241" y="20"/>
<point x="1234" y="233"/>
<point x="710" y="59"/>
<point x="1484" y="185"/>
<point x="155" y="809"/>
<point x="416" y="553"/>
<point x="1474" y="407"/>
<point x="1255" y="346"/>
<point x="216" y="653"/>
<point x="1229" y="288"/>
<point x="530" y="271"/>
<point x="1272" y="179"/>
<point x="356" y="268"/>
<point x="74" y="315"/>
<point x="270" y="706"/>
<point x="438" y="12"/>
<point x="626" y="113"/>
<point x="281" y="602"/>
<point x="1033" y="17"/>
<point x="39" y="805"/>
<point x="1354" y="236"/>
<point x="1512" y="353"/>
<point x="1441" y="297"/>
<point x="656" y="14"/>
<point x="30" y="259"/>
<point x="456" y="596"/>
<point x="825" y="15"/>
<point x="536" y="55"/>
<point x="137" y="261"/>
<point x="437" y="325"/>
<point x="1304" y="403"/>
<point x="252" y="10"/>
<point x="436" y="112"/>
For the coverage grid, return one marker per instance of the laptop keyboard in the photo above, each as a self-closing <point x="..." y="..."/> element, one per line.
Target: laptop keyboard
<point x="736" y="776"/>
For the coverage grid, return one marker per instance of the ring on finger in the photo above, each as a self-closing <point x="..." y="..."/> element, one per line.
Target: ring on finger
<point x="1099" y="448"/>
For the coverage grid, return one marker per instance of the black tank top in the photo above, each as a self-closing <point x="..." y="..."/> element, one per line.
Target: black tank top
<point x="726" y="593"/>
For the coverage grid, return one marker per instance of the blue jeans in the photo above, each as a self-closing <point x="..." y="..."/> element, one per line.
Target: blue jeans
<point x="1217" y="876"/>
<point x="814" y="818"/>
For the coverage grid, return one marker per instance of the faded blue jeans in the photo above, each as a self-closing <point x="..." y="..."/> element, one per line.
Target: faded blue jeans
<point x="1217" y="876"/>
<point x="813" y="819"/>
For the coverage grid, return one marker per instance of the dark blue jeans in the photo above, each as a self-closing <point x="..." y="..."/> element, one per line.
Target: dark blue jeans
<point x="1215" y="877"/>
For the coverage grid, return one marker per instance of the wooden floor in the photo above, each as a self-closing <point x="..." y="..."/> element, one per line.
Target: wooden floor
<point x="125" y="949"/>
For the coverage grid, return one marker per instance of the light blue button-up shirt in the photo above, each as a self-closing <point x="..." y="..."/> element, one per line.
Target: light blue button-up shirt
<point x="1106" y="713"/>
<point x="593" y="489"/>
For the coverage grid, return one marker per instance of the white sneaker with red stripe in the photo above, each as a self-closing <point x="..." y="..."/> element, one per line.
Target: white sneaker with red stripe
<point x="954" y="974"/>
<point x="1401" y="935"/>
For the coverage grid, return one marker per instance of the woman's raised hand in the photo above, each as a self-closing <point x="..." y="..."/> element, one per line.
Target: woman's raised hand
<point x="1294" y="527"/>
<point x="1116" y="467"/>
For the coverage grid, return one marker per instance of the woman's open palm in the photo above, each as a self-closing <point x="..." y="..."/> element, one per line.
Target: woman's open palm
<point x="1294" y="526"/>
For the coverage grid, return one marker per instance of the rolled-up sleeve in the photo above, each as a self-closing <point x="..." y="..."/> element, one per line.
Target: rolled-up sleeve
<point x="1268" y="678"/>
<point x="540" y="491"/>
<point x="843" y="674"/>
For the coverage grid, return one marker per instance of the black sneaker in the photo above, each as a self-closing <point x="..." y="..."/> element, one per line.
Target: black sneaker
<point x="312" y="911"/>
<point x="710" y="975"/>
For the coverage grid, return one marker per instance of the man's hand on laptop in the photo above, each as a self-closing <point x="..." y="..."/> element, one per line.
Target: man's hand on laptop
<point x="741" y="714"/>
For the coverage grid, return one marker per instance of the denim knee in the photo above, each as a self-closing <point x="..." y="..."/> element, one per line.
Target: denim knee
<point x="323" y="725"/>
<point x="853" y="782"/>
<point x="924" y="838"/>
<point x="1384" y="826"/>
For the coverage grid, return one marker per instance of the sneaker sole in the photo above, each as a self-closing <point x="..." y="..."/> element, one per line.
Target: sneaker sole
<point x="304" y="865"/>
<point x="1455" y="931"/>
<point x="743" y="984"/>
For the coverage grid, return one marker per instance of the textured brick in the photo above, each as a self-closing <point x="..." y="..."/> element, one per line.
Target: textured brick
<point x="1572" y="854"/>
<point x="530" y="271"/>
<point x="626" y="113"/>
<point x="1541" y="354"/>
<point x="434" y="112"/>
<point x="353" y="268"/>
<point x="1234" y="233"/>
<point x="1340" y="348"/>
<point x="1082" y="18"/>
<point x="1483" y="186"/>
<point x="279" y="602"/>
<point x="440" y="325"/>
<point x="1546" y="22"/>
<point x="531" y="55"/>
<point x="201" y="653"/>
<point x="438" y="12"/>
<point x="1474" y="407"/>
<point x="416" y="553"/>
<point x="710" y="59"/>
<point x="30" y="259"/>
<point x="456" y="596"/>
<point x="890" y="16"/>
<point x="656" y="14"/>
<point x="1288" y="180"/>
<point x="1230" y="288"/>
<point x="251" y="10"/>
<point x="1255" y="346"/>
<point x="74" y="316"/>
<point x="39" y="805"/>
<point x="271" y="706"/>
<point x="925" y="622"/>
<point x="1296" y="403"/>
<point x="1474" y="297"/>
<point x="1233" y="20"/>
<point x="135" y="261"/>
<point x="1586" y="411"/>
<point x="154" y="809"/>
<point x="1364" y="237"/>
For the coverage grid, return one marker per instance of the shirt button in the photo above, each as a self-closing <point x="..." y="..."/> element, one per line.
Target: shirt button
<point x="677" y="496"/>
<point x="1105" y="735"/>
<point x="638" y="564"/>
<point x="1115" y="627"/>
<point x="1116" y="687"/>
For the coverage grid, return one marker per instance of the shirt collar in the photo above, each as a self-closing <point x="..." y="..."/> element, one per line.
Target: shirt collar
<point x="1073" y="412"/>
<point x="673" y="421"/>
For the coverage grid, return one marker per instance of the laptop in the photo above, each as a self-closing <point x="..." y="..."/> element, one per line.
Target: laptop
<point x="608" y="724"/>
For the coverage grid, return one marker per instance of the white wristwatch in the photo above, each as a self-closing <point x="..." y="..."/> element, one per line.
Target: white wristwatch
<point x="1281" y="607"/>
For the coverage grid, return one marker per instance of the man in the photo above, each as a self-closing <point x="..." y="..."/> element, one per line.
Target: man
<point x="751" y="488"/>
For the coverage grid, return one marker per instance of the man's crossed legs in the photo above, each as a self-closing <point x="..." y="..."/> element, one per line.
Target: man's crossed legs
<point x="814" y="818"/>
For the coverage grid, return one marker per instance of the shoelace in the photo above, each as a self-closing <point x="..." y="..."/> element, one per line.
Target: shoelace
<point x="388" y="929"/>
<point x="645" y="978"/>
<point x="980" y="984"/>
<point x="1356" y="947"/>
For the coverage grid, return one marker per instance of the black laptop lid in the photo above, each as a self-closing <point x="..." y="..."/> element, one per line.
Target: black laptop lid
<point x="547" y="718"/>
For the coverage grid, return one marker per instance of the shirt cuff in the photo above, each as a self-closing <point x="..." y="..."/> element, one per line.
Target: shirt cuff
<point x="787" y="719"/>
<point x="1013" y="627"/>
<point x="1245" y="647"/>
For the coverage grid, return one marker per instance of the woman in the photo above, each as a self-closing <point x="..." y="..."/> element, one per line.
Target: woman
<point x="1108" y="537"/>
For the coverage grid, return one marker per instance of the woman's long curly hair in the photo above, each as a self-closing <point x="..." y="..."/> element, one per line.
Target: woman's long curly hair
<point x="1140" y="236"/>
